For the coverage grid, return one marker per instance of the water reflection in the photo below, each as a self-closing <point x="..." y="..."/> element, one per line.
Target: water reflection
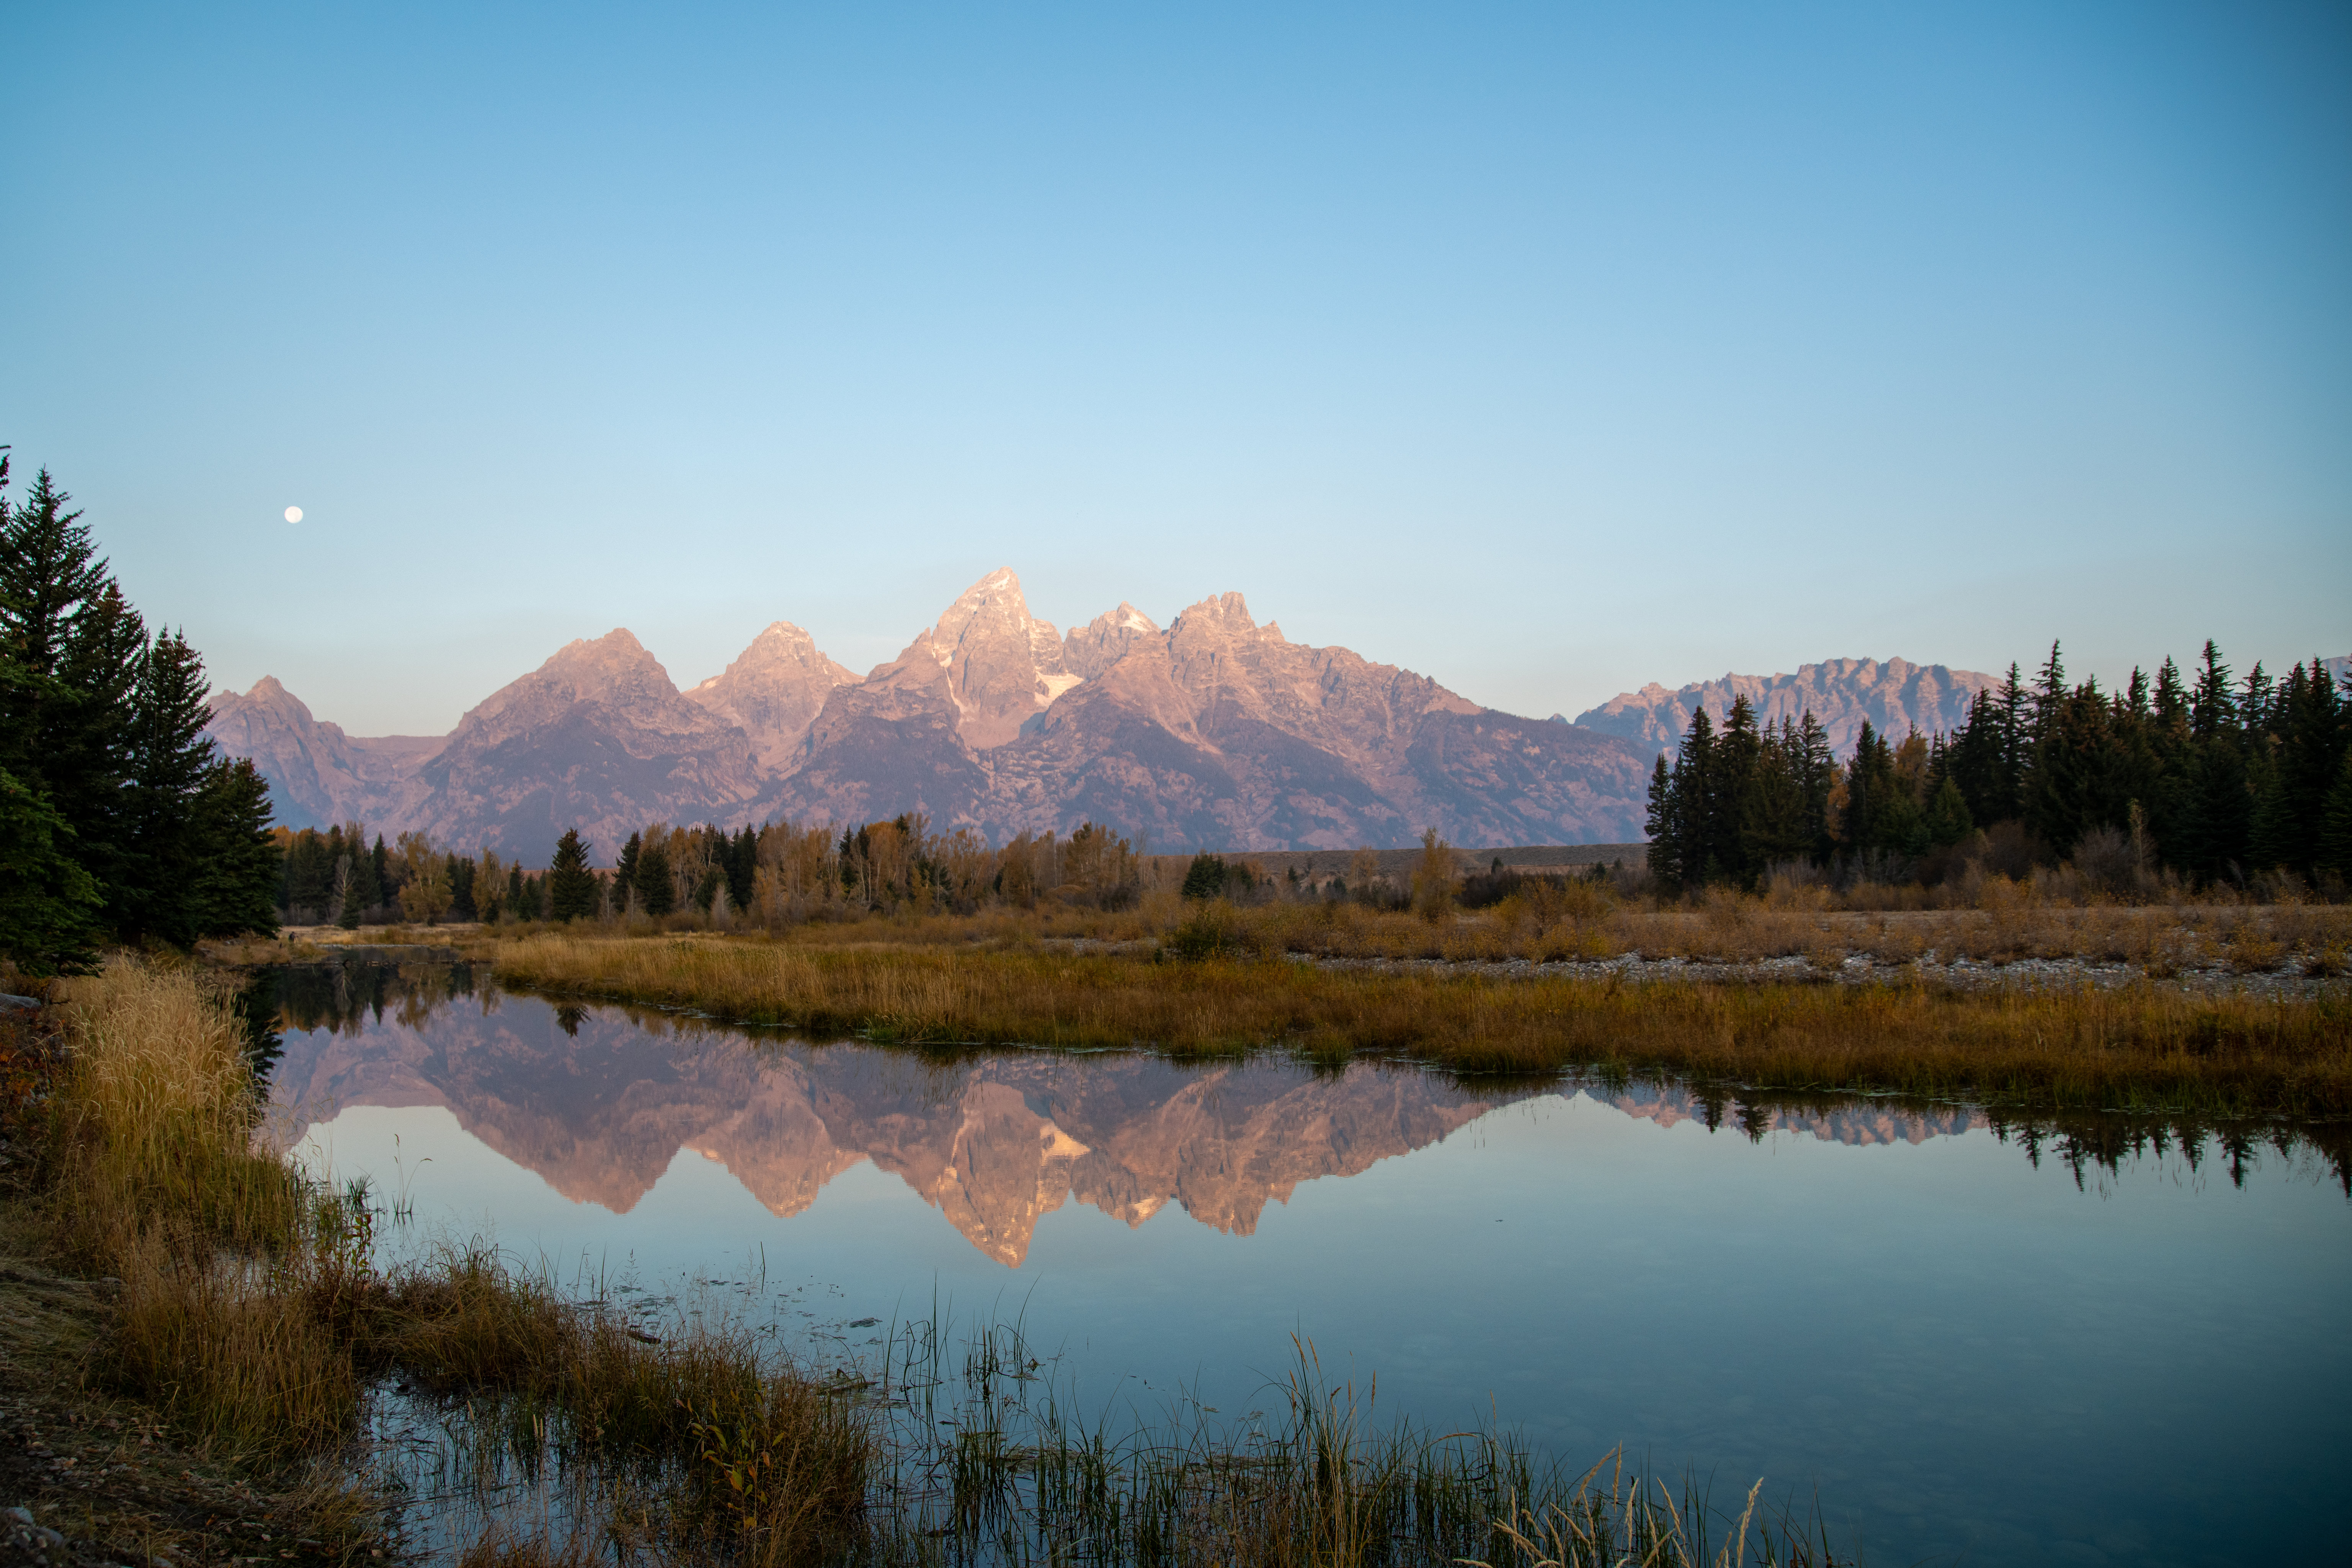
<point x="598" y="1101"/>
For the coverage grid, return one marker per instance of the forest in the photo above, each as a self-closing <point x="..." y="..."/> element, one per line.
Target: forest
<point x="775" y="874"/>
<point x="2168" y="784"/>
<point x="119" y="820"/>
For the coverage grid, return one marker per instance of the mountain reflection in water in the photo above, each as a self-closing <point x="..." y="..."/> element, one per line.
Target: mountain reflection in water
<point x="1966" y="1357"/>
<point x="598" y="1101"/>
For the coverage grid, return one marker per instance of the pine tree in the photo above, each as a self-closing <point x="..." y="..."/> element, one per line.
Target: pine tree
<point x="1870" y="787"/>
<point x="571" y="886"/>
<point x="1947" y="820"/>
<point x="171" y="759"/>
<point x="70" y="647"/>
<point x="366" y="890"/>
<point x="657" y="894"/>
<point x="2008" y="798"/>
<point x="1664" y="826"/>
<point x="1204" y="878"/>
<point x="2336" y="824"/>
<point x="49" y="904"/>
<point x="461" y="890"/>
<point x="743" y="867"/>
<point x="625" y="875"/>
<point x="1732" y="776"/>
<point x="235" y="860"/>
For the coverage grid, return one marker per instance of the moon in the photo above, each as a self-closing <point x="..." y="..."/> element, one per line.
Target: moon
<point x="293" y="514"/>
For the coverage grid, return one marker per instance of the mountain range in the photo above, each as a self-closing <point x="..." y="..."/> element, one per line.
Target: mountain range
<point x="1895" y="697"/>
<point x="1214" y="733"/>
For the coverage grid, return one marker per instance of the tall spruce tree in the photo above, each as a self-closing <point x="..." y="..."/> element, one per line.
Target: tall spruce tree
<point x="48" y="905"/>
<point x="571" y="886"/>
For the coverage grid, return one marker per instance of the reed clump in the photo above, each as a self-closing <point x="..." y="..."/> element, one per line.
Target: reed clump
<point x="2133" y="1047"/>
<point x="251" y="1312"/>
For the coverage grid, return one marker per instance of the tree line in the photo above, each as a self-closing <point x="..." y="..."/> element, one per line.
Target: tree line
<point x="776" y="873"/>
<point x="120" y="819"/>
<point x="2207" y="778"/>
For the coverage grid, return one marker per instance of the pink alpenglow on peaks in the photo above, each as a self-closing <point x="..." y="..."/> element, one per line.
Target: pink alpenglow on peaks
<point x="1214" y="731"/>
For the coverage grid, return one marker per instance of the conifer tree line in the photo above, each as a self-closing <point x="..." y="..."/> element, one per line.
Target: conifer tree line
<point x="2205" y="777"/>
<point x="775" y="874"/>
<point x="119" y="820"/>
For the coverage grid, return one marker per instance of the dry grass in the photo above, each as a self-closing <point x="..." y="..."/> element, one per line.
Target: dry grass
<point x="249" y="1312"/>
<point x="2141" y="1046"/>
<point x="151" y="1178"/>
<point x="1997" y="921"/>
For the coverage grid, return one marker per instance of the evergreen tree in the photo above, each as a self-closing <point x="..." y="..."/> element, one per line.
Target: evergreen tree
<point x="235" y="856"/>
<point x="72" y="648"/>
<point x="1774" y="826"/>
<point x="1205" y="877"/>
<point x="1947" y="820"/>
<point x="571" y="886"/>
<point x="2336" y="824"/>
<point x="2309" y="747"/>
<point x="657" y="894"/>
<point x="1730" y="783"/>
<point x="379" y="872"/>
<point x="1870" y="790"/>
<point x="2067" y="789"/>
<point x="49" y="904"/>
<point x="743" y="867"/>
<point x="461" y="890"/>
<point x="625" y="875"/>
<point x="1664" y="826"/>
<point x="1816" y="762"/>
<point x="171" y="759"/>
<point x="366" y="889"/>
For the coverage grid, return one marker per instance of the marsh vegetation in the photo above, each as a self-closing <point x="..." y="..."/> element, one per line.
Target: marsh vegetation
<point x="253" y="1315"/>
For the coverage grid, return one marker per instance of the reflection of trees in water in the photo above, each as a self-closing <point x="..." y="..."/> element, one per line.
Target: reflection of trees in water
<point x="2082" y="1141"/>
<point x="343" y="996"/>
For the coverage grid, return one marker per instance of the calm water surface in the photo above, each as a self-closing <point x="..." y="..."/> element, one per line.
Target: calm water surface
<point x="1974" y="1343"/>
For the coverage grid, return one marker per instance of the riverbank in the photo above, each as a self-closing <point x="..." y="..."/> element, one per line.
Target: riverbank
<point x="2140" y="1047"/>
<point x="179" y="1299"/>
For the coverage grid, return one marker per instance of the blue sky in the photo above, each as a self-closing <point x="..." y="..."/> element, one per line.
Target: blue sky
<point x="1546" y="349"/>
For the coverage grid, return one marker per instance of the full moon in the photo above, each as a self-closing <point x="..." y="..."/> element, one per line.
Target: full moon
<point x="293" y="514"/>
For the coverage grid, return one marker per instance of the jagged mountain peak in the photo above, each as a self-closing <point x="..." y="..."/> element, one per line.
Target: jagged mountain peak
<point x="1225" y="612"/>
<point x="1102" y="642"/>
<point x="614" y="670"/>
<point x="774" y="689"/>
<point x="1001" y="665"/>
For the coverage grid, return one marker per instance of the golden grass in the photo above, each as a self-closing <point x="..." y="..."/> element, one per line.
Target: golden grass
<point x="2138" y="1047"/>
<point x="249" y="1310"/>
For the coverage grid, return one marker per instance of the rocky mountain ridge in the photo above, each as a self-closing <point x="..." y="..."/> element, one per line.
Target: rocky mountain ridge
<point x="1895" y="696"/>
<point x="1216" y="732"/>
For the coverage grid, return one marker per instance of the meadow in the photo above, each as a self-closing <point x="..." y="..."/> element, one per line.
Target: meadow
<point x="2222" y="1008"/>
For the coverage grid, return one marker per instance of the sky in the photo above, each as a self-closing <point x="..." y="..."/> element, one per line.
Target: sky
<point x="1546" y="349"/>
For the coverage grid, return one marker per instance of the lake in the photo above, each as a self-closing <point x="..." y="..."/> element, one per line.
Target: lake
<point x="1969" y="1338"/>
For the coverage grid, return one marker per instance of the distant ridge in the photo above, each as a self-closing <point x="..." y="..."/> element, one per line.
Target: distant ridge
<point x="1896" y="696"/>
